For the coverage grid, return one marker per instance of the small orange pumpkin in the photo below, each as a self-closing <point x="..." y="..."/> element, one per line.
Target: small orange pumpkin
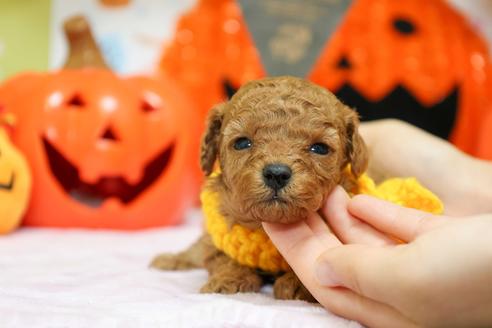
<point x="416" y="60"/>
<point x="106" y="152"/>
<point x="15" y="178"/>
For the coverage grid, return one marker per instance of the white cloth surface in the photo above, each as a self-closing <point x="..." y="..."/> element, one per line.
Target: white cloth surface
<point x="81" y="278"/>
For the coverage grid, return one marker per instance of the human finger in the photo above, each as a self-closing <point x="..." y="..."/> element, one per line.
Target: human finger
<point x="346" y="227"/>
<point x="370" y="313"/>
<point x="368" y="271"/>
<point x="403" y="223"/>
<point x="321" y="230"/>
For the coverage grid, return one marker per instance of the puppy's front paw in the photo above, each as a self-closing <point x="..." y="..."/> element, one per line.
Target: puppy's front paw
<point x="289" y="287"/>
<point x="232" y="285"/>
<point x="170" y="262"/>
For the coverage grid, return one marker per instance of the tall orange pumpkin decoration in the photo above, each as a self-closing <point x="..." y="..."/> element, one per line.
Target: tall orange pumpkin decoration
<point x="416" y="60"/>
<point x="106" y="152"/>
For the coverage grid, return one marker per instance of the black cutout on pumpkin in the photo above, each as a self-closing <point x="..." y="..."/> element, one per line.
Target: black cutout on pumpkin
<point x="344" y="63"/>
<point x="147" y="107"/>
<point x="229" y="89"/>
<point x="438" y="119"/>
<point x="9" y="185"/>
<point x="110" y="135"/>
<point x="76" y="101"/>
<point x="94" y="195"/>
<point x="404" y="26"/>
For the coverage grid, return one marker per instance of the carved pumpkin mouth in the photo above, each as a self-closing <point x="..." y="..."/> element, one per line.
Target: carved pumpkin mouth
<point x="438" y="119"/>
<point x="107" y="187"/>
<point x="9" y="185"/>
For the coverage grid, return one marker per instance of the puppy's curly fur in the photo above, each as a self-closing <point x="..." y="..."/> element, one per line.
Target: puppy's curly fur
<point x="282" y="118"/>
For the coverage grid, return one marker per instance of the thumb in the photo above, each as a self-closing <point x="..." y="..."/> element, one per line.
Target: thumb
<point x="369" y="271"/>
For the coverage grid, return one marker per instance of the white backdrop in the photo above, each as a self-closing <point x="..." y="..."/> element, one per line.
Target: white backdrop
<point x="132" y="37"/>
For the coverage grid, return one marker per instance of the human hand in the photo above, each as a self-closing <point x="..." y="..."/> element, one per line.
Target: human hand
<point x="398" y="149"/>
<point x="442" y="277"/>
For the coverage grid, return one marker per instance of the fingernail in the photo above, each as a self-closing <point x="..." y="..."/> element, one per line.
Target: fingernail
<point x="326" y="276"/>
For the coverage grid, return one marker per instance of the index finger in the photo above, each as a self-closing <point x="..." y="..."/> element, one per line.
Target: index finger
<point x="401" y="222"/>
<point x="349" y="229"/>
<point x="296" y="240"/>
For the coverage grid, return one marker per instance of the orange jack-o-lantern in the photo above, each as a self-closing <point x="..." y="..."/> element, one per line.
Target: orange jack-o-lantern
<point x="106" y="152"/>
<point x="485" y="138"/>
<point x="416" y="60"/>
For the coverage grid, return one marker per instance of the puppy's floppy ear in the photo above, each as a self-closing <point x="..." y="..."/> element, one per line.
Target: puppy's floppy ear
<point x="210" y="141"/>
<point x="355" y="148"/>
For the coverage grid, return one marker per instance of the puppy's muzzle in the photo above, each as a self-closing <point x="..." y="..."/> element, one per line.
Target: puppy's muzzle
<point x="276" y="176"/>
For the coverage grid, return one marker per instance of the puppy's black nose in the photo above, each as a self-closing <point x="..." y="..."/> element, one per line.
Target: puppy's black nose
<point x="276" y="176"/>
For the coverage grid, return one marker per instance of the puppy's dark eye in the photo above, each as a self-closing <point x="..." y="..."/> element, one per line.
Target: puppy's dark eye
<point x="319" y="148"/>
<point x="242" y="143"/>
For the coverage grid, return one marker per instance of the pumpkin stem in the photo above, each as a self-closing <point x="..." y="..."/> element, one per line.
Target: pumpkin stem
<point x="83" y="49"/>
<point x="114" y="3"/>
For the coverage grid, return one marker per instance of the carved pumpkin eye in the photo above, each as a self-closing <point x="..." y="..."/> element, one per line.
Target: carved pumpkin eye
<point x="76" y="101"/>
<point x="404" y="26"/>
<point x="151" y="102"/>
<point x="344" y="63"/>
<point x="229" y="89"/>
<point x="147" y="107"/>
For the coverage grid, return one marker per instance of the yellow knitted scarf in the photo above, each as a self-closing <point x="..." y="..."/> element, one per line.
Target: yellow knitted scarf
<point x="253" y="248"/>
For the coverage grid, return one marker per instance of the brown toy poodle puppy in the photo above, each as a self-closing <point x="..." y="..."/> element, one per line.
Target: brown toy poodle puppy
<point x="282" y="144"/>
